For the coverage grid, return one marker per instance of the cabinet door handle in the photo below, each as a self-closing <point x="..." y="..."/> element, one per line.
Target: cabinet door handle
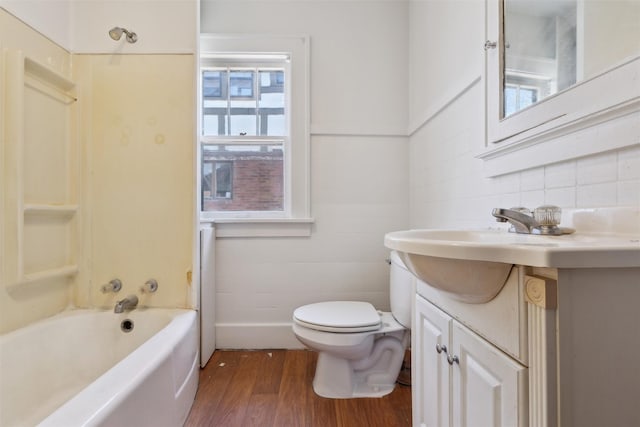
<point x="490" y="45"/>
<point x="441" y="348"/>
<point x="453" y="359"/>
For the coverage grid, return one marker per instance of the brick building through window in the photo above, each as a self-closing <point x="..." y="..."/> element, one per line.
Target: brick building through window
<point x="243" y="178"/>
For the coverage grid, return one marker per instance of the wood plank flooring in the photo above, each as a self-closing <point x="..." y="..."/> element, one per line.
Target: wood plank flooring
<point x="273" y="388"/>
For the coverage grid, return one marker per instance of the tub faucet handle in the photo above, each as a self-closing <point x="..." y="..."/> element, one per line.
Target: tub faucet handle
<point x="113" y="286"/>
<point x="149" y="286"/>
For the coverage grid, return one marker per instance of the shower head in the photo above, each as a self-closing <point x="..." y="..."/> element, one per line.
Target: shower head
<point x="116" y="32"/>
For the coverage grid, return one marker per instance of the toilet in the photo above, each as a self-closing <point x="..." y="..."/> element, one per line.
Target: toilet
<point x="360" y="349"/>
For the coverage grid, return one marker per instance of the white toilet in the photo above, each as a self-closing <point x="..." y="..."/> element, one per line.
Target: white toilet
<point x="360" y="349"/>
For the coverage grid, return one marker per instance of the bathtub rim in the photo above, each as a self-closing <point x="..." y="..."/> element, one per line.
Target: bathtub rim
<point x="94" y="403"/>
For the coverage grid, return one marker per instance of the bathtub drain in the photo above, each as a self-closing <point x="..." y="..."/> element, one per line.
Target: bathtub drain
<point x="126" y="325"/>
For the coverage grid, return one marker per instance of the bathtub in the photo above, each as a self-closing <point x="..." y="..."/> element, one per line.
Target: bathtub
<point x="79" y="368"/>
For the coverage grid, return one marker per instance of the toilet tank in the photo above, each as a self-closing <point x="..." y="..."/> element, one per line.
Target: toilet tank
<point x="401" y="289"/>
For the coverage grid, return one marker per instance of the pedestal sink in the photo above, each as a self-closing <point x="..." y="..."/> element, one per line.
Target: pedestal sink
<point x="473" y="265"/>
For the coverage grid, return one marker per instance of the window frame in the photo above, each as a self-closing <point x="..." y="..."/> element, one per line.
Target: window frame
<point x="295" y="219"/>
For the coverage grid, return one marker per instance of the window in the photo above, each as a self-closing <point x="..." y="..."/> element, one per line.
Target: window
<point x="244" y="134"/>
<point x="253" y="128"/>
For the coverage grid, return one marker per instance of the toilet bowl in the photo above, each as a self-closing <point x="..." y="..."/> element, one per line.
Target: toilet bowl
<point x="360" y="349"/>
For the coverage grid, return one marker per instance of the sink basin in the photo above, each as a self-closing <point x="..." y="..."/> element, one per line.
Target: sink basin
<point x="473" y="265"/>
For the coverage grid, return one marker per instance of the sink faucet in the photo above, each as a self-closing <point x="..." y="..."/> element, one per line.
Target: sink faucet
<point x="543" y="220"/>
<point x="129" y="303"/>
<point x="521" y="219"/>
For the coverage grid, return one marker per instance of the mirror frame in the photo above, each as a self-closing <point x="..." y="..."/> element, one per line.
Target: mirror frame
<point x="556" y="128"/>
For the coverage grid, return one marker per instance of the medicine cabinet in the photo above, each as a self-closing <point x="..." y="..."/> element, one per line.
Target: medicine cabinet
<point x="561" y="81"/>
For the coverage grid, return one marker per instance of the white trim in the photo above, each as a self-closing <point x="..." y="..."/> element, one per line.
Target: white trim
<point x="346" y="129"/>
<point x="603" y="93"/>
<point x="617" y="128"/>
<point x="443" y="103"/>
<point x="263" y="227"/>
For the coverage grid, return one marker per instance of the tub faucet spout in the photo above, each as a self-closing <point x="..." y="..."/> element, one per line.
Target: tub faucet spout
<point x="127" y="304"/>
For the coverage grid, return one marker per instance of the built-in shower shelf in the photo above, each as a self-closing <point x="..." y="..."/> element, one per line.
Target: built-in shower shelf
<point x="44" y="209"/>
<point x="41" y="219"/>
<point x="48" y="75"/>
<point x="54" y="273"/>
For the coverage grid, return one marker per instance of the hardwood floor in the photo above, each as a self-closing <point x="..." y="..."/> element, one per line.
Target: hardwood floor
<point x="273" y="388"/>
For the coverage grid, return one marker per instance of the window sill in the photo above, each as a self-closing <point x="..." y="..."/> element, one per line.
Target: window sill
<point x="262" y="227"/>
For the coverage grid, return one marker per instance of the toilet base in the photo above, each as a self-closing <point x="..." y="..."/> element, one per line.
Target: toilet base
<point x="340" y="378"/>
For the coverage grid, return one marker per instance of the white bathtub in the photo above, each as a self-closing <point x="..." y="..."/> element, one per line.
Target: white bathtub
<point x="80" y="369"/>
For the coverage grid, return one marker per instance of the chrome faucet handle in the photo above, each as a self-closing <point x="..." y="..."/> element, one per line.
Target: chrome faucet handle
<point x="113" y="286"/>
<point x="149" y="286"/>
<point x="548" y="218"/>
<point x="547" y="215"/>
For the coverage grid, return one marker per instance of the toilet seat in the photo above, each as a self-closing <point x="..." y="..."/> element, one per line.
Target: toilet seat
<point x="338" y="316"/>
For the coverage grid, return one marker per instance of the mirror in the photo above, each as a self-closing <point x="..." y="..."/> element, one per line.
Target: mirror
<point x="550" y="45"/>
<point x="582" y="102"/>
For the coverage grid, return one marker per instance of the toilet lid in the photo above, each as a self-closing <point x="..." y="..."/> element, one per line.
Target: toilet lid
<point x="338" y="316"/>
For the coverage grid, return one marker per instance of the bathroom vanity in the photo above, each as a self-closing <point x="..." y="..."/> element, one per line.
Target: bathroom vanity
<point x="558" y="345"/>
<point x="555" y="347"/>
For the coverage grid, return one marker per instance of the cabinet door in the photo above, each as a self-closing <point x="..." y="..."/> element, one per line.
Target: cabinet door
<point x="431" y="381"/>
<point x="489" y="388"/>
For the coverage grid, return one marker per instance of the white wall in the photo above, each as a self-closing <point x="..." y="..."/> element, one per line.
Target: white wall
<point x="359" y="168"/>
<point x="448" y="187"/>
<point x="162" y="26"/>
<point x="51" y="18"/>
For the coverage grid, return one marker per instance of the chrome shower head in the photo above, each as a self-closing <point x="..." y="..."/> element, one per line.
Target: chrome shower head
<point x="116" y="32"/>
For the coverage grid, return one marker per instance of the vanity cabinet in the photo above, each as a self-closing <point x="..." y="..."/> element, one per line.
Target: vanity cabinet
<point x="556" y="347"/>
<point x="460" y="378"/>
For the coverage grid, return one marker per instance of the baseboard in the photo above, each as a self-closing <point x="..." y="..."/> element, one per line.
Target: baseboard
<point x="253" y="336"/>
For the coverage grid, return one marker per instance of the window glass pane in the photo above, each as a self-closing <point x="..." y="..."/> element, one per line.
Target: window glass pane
<point x="248" y="177"/>
<point x="214" y="103"/>
<point x="243" y="119"/>
<point x="271" y="103"/>
<point x="212" y="83"/>
<point x="241" y="84"/>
